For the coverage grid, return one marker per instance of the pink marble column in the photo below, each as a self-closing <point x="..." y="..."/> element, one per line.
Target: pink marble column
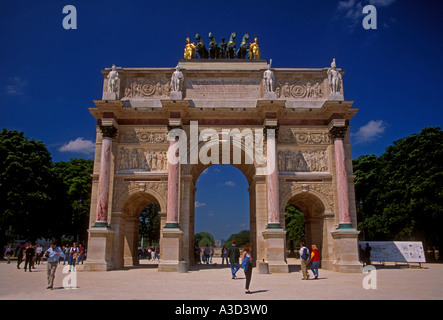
<point x="173" y="184"/>
<point x="108" y="132"/>
<point x="272" y="178"/>
<point x="338" y="134"/>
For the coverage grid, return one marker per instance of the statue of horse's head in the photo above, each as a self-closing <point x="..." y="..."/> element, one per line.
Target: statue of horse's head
<point x="211" y="36"/>
<point x="233" y="35"/>
<point x="198" y="36"/>
<point x="245" y="37"/>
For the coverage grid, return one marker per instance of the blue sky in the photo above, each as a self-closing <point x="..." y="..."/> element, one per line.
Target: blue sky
<point x="49" y="76"/>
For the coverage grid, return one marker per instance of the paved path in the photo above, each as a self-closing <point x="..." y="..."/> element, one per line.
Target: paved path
<point x="145" y="282"/>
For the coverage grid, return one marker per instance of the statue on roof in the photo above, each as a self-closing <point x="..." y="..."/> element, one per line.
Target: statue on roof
<point x="189" y="50"/>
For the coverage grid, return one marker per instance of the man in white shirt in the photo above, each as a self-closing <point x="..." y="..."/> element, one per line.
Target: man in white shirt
<point x="304" y="260"/>
<point x="53" y="254"/>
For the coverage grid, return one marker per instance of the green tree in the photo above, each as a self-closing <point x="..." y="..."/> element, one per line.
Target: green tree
<point x="204" y="238"/>
<point x="295" y="227"/>
<point x="149" y="225"/>
<point x="402" y="190"/>
<point x="30" y="195"/>
<point x="77" y="181"/>
<point x="240" y="238"/>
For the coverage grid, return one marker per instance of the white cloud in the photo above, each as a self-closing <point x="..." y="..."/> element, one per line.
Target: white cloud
<point x="16" y="86"/>
<point x="78" y="145"/>
<point x="199" y="204"/>
<point x="370" y="131"/>
<point x="229" y="183"/>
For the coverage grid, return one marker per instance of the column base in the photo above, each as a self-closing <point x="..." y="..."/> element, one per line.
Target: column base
<point x="173" y="225"/>
<point x="171" y="249"/>
<point x="275" y="240"/>
<point x="345" y="226"/>
<point x="100" y="247"/>
<point x="100" y="224"/>
<point x="346" y="251"/>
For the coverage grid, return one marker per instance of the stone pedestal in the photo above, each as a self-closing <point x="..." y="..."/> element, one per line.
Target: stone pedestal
<point x="176" y="95"/>
<point x="270" y="96"/>
<point x="335" y="96"/>
<point x="100" y="247"/>
<point x="172" y="261"/>
<point x="346" y="251"/>
<point x="109" y="96"/>
<point x="275" y="240"/>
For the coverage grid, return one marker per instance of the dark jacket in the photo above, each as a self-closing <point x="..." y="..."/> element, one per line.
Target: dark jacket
<point x="233" y="254"/>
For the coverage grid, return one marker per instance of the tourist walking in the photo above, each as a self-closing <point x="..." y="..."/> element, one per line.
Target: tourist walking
<point x="66" y="255"/>
<point x="368" y="254"/>
<point x="20" y="252"/>
<point x="53" y="255"/>
<point x="39" y="254"/>
<point x="247" y="266"/>
<point x="29" y="256"/>
<point x="315" y="260"/>
<point x="8" y="253"/>
<point x="211" y="253"/>
<point x="207" y="253"/>
<point x="73" y="254"/>
<point x="81" y="253"/>
<point x="234" y="255"/>
<point x="304" y="260"/>
<point x="224" y="255"/>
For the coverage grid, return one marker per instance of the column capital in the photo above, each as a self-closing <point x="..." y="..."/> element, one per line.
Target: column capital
<point x="108" y="131"/>
<point x="338" y="132"/>
<point x="270" y="124"/>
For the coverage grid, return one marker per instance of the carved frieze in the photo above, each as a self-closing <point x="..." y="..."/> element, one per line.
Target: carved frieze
<point x="143" y="136"/>
<point x="300" y="138"/>
<point x="142" y="159"/>
<point x="299" y="89"/>
<point x="303" y="161"/>
<point x="147" y="88"/>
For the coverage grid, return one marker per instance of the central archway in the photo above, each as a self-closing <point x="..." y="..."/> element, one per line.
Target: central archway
<point x="257" y="205"/>
<point x="222" y="205"/>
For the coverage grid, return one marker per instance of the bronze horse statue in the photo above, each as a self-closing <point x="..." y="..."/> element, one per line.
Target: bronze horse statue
<point x="244" y="47"/>
<point x="213" y="48"/>
<point x="231" y="47"/>
<point x="201" y="49"/>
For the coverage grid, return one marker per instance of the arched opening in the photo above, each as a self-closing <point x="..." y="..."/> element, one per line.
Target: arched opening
<point x="139" y="228"/>
<point x="149" y="235"/>
<point x="222" y="209"/>
<point x="305" y="221"/>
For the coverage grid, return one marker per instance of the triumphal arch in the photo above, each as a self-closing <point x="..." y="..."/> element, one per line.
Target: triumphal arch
<point x="285" y="129"/>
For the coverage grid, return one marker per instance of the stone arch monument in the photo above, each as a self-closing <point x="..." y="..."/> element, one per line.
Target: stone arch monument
<point x="285" y="129"/>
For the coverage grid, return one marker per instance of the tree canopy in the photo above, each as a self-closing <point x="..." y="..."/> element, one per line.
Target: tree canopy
<point x="203" y="239"/>
<point x="40" y="199"/>
<point x="149" y="225"/>
<point x="400" y="194"/>
<point x="240" y="238"/>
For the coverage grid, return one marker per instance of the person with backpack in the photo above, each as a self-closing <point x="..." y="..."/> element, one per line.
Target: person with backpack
<point x="304" y="260"/>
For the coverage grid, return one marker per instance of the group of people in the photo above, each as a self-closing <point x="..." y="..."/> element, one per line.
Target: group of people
<point x="33" y="255"/>
<point x="203" y="254"/>
<point x="247" y="262"/>
<point x="150" y="253"/>
<point x="311" y="259"/>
